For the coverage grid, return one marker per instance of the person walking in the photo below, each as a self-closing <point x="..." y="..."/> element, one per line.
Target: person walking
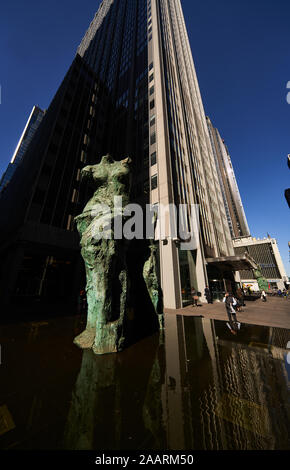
<point x="194" y="297"/>
<point x="208" y="295"/>
<point x="263" y="296"/>
<point x="240" y="298"/>
<point x="230" y="303"/>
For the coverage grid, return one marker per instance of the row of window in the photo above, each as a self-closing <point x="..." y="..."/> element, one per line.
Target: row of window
<point x="152" y="121"/>
<point x="149" y="22"/>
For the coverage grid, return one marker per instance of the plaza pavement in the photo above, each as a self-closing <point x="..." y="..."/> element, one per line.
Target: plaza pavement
<point x="275" y="312"/>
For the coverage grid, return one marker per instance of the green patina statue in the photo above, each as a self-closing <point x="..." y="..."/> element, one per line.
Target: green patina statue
<point x="262" y="281"/>
<point x="105" y="258"/>
<point x="152" y="283"/>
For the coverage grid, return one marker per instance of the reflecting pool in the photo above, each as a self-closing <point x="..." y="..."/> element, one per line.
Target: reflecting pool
<point x="197" y="386"/>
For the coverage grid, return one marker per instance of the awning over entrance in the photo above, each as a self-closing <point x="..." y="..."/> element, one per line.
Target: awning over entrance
<point x="233" y="263"/>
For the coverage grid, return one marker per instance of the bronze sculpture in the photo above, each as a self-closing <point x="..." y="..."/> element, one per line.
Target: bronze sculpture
<point x="105" y="260"/>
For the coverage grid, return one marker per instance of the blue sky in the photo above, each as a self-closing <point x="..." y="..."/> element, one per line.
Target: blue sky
<point x="241" y="50"/>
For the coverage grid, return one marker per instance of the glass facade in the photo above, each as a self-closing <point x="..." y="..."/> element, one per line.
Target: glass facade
<point x="27" y="136"/>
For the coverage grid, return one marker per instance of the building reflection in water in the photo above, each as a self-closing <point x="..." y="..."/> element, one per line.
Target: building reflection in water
<point x="197" y="388"/>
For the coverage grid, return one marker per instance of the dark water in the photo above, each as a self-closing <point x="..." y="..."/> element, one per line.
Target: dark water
<point x="195" y="387"/>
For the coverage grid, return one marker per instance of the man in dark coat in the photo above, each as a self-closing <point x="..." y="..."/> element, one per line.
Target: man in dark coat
<point x="240" y="297"/>
<point x="208" y="295"/>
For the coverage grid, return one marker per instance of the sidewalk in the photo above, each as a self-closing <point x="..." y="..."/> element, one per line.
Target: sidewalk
<point x="274" y="312"/>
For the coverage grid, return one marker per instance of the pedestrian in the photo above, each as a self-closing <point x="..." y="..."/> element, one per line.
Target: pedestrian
<point x="263" y="296"/>
<point x="194" y="297"/>
<point x="208" y="295"/>
<point x="240" y="299"/>
<point x="230" y="303"/>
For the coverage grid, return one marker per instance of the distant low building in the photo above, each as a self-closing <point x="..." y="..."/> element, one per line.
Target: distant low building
<point x="266" y="253"/>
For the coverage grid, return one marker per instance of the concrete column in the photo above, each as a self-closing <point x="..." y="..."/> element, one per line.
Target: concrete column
<point x="237" y="277"/>
<point x="170" y="278"/>
<point x="169" y="260"/>
<point x="201" y="274"/>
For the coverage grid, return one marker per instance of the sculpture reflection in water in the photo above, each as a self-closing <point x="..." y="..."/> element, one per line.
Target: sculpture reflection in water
<point x="113" y="320"/>
<point x="117" y="404"/>
<point x="201" y="388"/>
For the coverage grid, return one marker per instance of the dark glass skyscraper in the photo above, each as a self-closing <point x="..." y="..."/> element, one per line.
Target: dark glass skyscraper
<point x="131" y="91"/>
<point x="31" y="127"/>
<point x="100" y="107"/>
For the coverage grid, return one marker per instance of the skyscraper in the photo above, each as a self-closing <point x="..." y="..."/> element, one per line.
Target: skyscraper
<point x="131" y="90"/>
<point x="234" y="208"/>
<point x="29" y="130"/>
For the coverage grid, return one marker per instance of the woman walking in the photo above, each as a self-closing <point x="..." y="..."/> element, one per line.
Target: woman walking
<point x="263" y="296"/>
<point x="230" y="303"/>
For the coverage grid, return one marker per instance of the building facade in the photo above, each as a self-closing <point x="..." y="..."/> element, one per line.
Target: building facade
<point x="131" y="90"/>
<point x="233" y="203"/>
<point x="30" y="128"/>
<point x="266" y="254"/>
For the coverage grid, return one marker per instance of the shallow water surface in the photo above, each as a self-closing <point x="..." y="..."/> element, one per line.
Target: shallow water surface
<point x="196" y="386"/>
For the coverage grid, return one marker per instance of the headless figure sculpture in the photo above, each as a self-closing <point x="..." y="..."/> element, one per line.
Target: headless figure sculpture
<point x="105" y="261"/>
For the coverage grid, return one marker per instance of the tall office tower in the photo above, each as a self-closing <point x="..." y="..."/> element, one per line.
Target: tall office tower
<point x="234" y="208"/>
<point x="131" y="90"/>
<point x="31" y="126"/>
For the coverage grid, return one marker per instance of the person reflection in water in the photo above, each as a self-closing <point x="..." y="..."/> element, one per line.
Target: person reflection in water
<point x="230" y="302"/>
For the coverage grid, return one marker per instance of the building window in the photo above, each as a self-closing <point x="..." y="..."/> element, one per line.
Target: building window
<point x="152" y="104"/>
<point x="154" y="182"/>
<point x="153" y="159"/>
<point x="78" y="177"/>
<point x="151" y="66"/>
<point x="74" y="196"/>
<point x="152" y="120"/>
<point x="153" y="138"/>
<point x="69" y="222"/>
<point x="151" y="91"/>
